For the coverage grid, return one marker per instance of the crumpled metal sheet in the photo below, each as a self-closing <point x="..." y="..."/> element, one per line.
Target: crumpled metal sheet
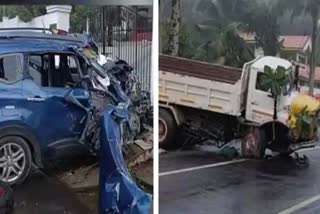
<point x="118" y="192"/>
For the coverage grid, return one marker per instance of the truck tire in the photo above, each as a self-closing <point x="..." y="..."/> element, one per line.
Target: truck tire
<point x="167" y="129"/>
<point x="254" y="143"/>
<point x="15" y="160"/>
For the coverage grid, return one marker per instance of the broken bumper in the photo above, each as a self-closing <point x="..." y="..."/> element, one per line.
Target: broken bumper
<point x="303" y="145"/>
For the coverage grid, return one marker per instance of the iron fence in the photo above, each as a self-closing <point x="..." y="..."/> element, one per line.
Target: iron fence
<point x="126" y="33"/>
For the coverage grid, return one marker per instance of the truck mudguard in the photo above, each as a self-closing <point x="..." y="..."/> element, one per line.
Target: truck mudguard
<point x="177" y="114"/>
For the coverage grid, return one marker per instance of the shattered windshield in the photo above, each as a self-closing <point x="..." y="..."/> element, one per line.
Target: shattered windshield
<point x="98" y="68"/>
<point x="92" y="59"/>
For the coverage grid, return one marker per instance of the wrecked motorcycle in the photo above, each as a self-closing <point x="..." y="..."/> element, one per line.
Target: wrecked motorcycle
<point x="108" y="124"/>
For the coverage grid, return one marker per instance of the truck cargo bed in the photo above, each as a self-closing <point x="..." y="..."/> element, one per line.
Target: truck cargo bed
<point x="200" y="85"/>
<point x="199" y="69"/>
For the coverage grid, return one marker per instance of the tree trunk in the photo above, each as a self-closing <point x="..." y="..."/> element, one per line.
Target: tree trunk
<point x="313" y="50"/>
<point x="173" y="46"/>
<point x="275" y="116"/>
<point x="275" y="103"/>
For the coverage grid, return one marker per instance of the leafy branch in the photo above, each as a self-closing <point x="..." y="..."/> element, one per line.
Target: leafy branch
<point x="306" y="123"/>
<point x="274" y="81"/>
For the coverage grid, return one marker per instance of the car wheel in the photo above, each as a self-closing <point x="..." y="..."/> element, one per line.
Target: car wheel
<point x="167" y="129"/>
<point x="15" y="160"/>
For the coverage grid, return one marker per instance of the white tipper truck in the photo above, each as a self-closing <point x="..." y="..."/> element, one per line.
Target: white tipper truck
<point x="218" y="103"/>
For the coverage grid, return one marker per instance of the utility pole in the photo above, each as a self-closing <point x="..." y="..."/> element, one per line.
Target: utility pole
<point x="103" y="31"/>
<point x="3" y="11"/>
<point x="174" y="28"/>
<point x="87" y="25"/>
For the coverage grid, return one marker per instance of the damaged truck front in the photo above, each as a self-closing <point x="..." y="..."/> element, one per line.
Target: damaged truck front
<point x="217" y="104"/>
<point x="54" y="97"/>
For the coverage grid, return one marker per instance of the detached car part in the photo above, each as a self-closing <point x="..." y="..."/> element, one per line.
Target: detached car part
<point x="118" y="192"/>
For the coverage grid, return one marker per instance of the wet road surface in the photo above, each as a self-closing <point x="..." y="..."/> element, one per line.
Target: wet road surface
<point x="248" y="187"/>
<point x="44" y="195"/>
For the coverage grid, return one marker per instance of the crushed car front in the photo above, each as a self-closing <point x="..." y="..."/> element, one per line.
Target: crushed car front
<point x="111" y="124"/>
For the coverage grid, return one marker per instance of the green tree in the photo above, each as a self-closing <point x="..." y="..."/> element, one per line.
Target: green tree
<point x="309" y="8"/>
<point x="307" y="123"/>
<point x="219" y="33"/>
<point x="186" y="48"/>
<point x="215" y="38"/>
<point x="25" y="13"/>
<point x="79" y="16"/>
<point x="274" y="81"/>
<point x="262" y="20"/>
<point x="224" y="46"/>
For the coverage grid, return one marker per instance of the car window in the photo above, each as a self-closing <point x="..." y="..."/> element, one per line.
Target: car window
<point x="35" y="67"/>
<point x="66" y="71"/>
<point x="11" y="68"/>
<point x="56" y="61"/>
<point x="259" y="84"/>
<point x="72" y="62"/>
<point x="54" y="70"/>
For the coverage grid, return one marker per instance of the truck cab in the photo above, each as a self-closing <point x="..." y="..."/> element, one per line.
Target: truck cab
<point x="259" y="102"/>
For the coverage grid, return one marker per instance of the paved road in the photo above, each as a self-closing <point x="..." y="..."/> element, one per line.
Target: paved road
<point x="43" y="195"/>
<point x="247" y="187"/>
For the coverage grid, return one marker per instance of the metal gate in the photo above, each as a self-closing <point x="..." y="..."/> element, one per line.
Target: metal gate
<point x="126" y="33"/>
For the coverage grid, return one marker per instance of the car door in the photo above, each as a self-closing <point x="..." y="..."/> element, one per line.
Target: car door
<point x="11" y="75"/>
<point x="57" y="122"/>
<point x="260" y="101"/>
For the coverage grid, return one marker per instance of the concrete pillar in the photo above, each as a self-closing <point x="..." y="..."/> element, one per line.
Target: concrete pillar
<point x="59" y="15"/>
<point x="4" y="22"/>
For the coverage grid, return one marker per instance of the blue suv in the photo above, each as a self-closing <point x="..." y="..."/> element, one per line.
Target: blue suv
<point x="37" y="123"/>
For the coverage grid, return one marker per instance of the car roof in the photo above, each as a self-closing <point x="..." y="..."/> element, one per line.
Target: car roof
<point x="21" y="42"/>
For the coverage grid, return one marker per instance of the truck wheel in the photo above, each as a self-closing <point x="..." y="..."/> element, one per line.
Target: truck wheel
<point x="254" y="144"/>
<point x="15" y="160"/>
<point x="167" y="129"/>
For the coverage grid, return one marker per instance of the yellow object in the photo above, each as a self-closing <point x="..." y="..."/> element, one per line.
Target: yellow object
<point x="298" y="104"/>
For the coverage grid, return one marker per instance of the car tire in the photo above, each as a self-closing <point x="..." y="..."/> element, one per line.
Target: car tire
<point x="17" y="161"/>
<point x="167" y="129"/>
